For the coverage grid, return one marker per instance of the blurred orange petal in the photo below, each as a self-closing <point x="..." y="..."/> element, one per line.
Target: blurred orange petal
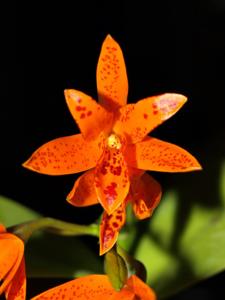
<point x="156" y="155"/>
<point x="93" y="287"/>
<point x="140" y="289"/>
<point x="91" y="117"/>
<point x="83" y="192"/>
<point x="145" y="194"/>
<point x="16" y="290"/>
<point x="2" y="228"/>
<point x="11" y="257"/>
<point x="96" y="287"/>
<point x="112" y="83"/>
<point x="110" y="227"/>
<point x="66" y="155"/>
<point x="111" y="179"/>
<point x="135" y="121"/>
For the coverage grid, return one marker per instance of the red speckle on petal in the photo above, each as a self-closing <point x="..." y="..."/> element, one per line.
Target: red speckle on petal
<point x="115" y="225"/>
<point x="145" y="116"/>
<point x="78" y="108"/>
<point x="89" y="113"/>
<point x="111" y="192"/>
<point x="82" y="116"/>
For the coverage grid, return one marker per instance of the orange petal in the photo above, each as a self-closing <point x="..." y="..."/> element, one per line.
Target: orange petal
<point x="12" y="250"/>
<point x="156" y="155"/>
<point x="83" y="192"/>
<point x="91" y="117"/>
<point x="93" y="287"/>
<point x="111" y="179"/>
<point x="17" y="287"/>
<point x="66" y="155"/>
<point x="112" y="83"/>
<point x="110" y="227"/>
<point x="140" y="289"/>
<point x="145" y="194"/>
<point x="135" y="121"/>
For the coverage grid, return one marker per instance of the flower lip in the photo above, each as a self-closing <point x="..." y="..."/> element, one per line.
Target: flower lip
<point x="114" y="141"/>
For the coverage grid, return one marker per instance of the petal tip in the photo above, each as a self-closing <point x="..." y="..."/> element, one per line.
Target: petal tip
<point x="109" y="37"/>
<point x="198" y="167"/>
<point x="27" y="165"/>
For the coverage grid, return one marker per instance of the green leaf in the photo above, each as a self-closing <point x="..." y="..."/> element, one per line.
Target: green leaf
<point x="183" y="242"/>
<point x="49" y="255"/>
<point x="116" y="269"/>
<point x="12" y="213"/>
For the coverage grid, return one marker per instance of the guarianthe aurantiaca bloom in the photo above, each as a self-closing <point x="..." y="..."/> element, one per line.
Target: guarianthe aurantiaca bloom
<point x="12" y="266"/>
<point x="114" y="147"/>
<point x="96" y="287"/>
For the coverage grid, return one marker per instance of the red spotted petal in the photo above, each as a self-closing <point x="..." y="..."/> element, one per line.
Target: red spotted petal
<point x="110" y="228"/>
<point x="66" y="155"/>
<point x="112" y="83"/>
<point x="156" y="155"/>
<point x="97" y="287"/>
<point x="135" y="121"/>
<point x="111" y="179"/>
<point x="145" y="196"/>
<point x="83" y="192"/>
<point x="16" y="290"/>
<point x="93" y="287"/>
<point x="91" y="117"/>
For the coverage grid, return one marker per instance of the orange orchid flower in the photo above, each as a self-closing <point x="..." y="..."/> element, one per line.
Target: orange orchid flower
<point x="12" y="266"/>
<point x="114" y="147"/>
<point x="96" y="287"/>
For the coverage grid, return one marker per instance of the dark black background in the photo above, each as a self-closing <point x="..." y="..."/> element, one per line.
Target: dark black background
<point x="169" y="46"/>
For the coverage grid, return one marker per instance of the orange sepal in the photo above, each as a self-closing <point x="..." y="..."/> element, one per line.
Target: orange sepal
<point x="111" y="179"/>
<point x="135" y="121"/>
<point x="112" y="83"/>
<point x="110" y="227"/>
<point x="66" y="155"/>
<point x="16" y="290"/>
<point x="90" y="116"/>
<point x="156" y="155"/>
<point x="83" y="192"/>
<point x="93" y="287"/>
<point x="12" y="251"/>
<point x="145" y="196"/>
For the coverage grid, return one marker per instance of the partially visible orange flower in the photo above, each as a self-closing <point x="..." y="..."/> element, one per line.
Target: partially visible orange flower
<point x="96" y="287"/>
<point x="12" y="266"/>
<point x="114" y="147"/>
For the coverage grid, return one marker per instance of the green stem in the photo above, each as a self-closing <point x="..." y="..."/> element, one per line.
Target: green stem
<point x="25" y="230"/>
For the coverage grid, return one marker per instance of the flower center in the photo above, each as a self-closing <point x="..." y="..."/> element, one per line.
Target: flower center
<point x="113" y="141"/>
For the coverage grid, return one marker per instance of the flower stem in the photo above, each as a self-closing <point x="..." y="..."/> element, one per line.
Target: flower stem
<point x="25" y="230"/>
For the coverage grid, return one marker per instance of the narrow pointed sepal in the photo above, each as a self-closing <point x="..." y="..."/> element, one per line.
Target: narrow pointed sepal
<point x="110" y="227"/>
<point x="156" y="155"/>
